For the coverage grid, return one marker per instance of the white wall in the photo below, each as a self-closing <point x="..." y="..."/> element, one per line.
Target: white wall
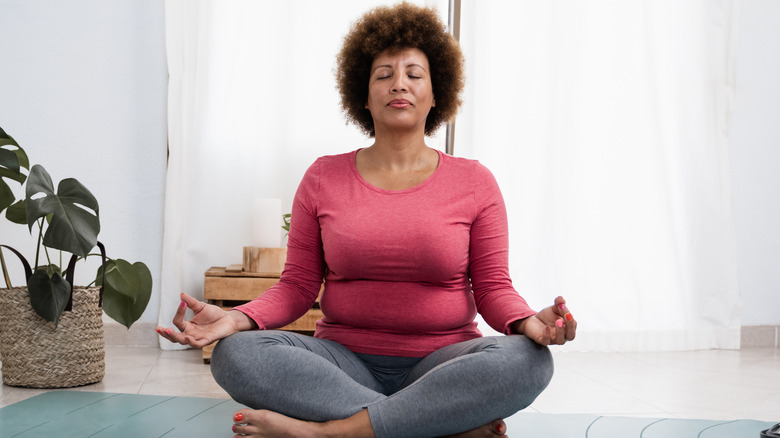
<point x="83" y="91"/>
<point x="755" y="161"/>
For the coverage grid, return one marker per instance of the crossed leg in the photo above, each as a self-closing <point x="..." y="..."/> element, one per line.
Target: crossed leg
<point x="301" y="386"/>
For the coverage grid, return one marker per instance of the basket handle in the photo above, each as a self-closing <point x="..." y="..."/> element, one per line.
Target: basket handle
<point x="27" y="269"/>
<point x="69" y="273"/>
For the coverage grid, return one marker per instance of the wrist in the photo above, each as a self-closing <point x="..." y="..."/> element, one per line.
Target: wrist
<point x="241" y="321"/>
<point x="518" y="327"/>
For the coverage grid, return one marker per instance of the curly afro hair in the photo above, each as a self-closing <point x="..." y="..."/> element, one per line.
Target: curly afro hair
<point x="402" y="26"/>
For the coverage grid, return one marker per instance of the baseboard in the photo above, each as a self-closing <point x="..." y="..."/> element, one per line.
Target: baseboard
<point x="760" y="336"/>
<point x="140" y="334"/>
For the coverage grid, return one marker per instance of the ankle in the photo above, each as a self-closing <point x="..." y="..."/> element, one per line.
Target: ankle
<point x="356" y="426"/>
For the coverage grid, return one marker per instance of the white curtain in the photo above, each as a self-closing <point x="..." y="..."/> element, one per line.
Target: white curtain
<point x="605" y="122"/>
<point x="252" y="103"/>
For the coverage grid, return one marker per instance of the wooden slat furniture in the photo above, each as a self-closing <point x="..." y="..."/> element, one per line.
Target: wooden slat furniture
<point x="230" y="287"/>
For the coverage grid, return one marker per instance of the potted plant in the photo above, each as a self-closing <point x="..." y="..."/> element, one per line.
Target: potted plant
<point x="51" y="332"/>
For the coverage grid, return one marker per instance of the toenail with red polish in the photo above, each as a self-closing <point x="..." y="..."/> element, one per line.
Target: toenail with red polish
<point x="238" y="417"/>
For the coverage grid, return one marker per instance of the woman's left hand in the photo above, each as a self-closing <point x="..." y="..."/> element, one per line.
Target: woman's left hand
<point x="553" y="325"/>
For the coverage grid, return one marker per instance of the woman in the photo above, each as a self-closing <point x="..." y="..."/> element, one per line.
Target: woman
<point x="412" y="243"/>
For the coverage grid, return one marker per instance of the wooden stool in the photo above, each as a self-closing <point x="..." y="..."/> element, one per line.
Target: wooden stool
<point x="231" y="286"/>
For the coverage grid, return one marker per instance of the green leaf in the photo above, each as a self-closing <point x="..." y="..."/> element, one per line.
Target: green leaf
<point x="48" y="295"/>
<point x="11" y="162"/>
<point x="17" y="213"/>
<point x="6" y="139"/>
<point x="126" y="291"/>
<point x="6" y="195"/>
<point x="121" y="277"/>
<point x="75" y="221"/>
<point x="12" y="158"/>
<point x="49" y="269"/>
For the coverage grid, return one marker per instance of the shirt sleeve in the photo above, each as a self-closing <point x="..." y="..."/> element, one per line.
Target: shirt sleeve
<point x="497" y="301"/>
<point x="301" y="279"/>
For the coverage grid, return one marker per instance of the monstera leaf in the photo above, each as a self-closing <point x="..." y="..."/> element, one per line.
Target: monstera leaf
<point x="49" y="294"/>
<point x="12" y="160"/>
<point x="74" y="223"/>
<point x="17" y="213"/>
<point x="126" y="290"/>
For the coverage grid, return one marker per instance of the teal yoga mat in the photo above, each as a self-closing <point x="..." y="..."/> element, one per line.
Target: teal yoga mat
<point x="78" y="414"/>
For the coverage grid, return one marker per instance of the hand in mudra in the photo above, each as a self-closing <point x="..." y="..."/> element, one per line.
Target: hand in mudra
<point x="553" y="325"/>
<point x="209" y="324"/>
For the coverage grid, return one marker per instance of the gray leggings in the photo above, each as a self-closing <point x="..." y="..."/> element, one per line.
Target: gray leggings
<point x="455" y="389"/>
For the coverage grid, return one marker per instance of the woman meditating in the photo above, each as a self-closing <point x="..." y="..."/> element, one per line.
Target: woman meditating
<point x="411" y="244"/>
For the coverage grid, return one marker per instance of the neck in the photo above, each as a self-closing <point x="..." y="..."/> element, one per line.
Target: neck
<point x="399" y="150"/>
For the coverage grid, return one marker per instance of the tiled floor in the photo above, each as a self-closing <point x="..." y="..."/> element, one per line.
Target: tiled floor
<point x="712" y="384"/>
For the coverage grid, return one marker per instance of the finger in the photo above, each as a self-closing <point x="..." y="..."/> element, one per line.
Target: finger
<point x="178" y="318"/>
<point x="193" y="303"/>
<point x="557" y="335"/>
<point x="571" y="327"/>
<point x="545" y="336"/>
<point x="169" y="334"/>
<point x="560" y="306"/>
<point x="161" y="331"/>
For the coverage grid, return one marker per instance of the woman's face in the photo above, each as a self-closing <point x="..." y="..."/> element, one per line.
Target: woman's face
<point x="400" y="94"/>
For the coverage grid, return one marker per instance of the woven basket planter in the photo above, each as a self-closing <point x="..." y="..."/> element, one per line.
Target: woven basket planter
<point x="35" y="355"/>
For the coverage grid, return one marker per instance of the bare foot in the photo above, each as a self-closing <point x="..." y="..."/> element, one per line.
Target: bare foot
<point x="264" y="423"/>
<point x="494" y="429"/>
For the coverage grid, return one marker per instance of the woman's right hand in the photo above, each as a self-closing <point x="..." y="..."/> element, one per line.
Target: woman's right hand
<point x="209" y="324"/>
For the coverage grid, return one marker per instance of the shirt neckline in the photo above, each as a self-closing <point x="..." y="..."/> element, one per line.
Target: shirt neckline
<point x="353" y="166"/>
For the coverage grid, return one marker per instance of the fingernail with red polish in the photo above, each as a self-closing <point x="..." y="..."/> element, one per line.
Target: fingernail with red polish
<point x="561" y="306"/>
<point x="238" y="417"/>
<point x="569" y="317"/>
<point x="500" y="428"/>
<point x="182" y="304"/>
<point x="168" y="331"/>
<point x="559" y="323"/>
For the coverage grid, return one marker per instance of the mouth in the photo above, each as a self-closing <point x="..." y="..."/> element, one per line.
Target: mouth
<point x="399" y="103"/>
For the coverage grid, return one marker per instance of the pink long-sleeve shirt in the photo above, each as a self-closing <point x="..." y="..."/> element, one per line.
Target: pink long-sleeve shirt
<point x="405" y="271"/>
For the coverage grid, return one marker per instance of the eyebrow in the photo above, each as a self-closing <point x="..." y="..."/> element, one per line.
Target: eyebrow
<point x="390" y="66"/>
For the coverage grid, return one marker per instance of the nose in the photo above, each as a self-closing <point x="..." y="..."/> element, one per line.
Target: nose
<point x="399" y="85"/>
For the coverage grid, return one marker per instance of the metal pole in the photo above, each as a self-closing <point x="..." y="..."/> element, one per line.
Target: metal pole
<point x="453" y="27"/>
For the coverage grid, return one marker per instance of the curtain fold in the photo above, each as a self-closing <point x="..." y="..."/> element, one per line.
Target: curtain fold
<point x="605" y="123"/>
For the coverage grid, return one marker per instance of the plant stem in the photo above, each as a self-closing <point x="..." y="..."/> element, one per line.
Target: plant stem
<point x="38" y="247"/>
<point x="48" y="259"/>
